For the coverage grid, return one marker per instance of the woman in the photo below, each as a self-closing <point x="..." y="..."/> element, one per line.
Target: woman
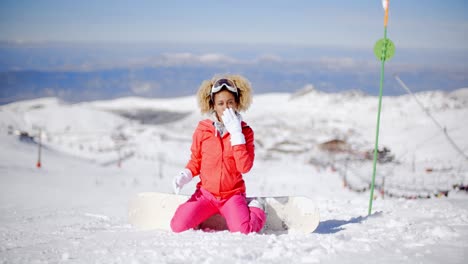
<point x="222" y="149"/>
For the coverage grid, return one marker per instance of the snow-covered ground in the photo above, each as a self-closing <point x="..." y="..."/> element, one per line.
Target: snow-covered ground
<point x="98" y="155"/>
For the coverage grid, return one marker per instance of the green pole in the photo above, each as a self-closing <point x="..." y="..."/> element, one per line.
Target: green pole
<point x="376" y="146"/>
<point x="384" y="49"/>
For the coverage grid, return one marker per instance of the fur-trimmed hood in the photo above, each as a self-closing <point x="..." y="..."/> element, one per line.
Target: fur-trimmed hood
<point x="245" y="92"/>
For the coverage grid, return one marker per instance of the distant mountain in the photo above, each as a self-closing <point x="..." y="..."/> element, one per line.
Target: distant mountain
<point x="170" y="81"/>
<point x="82" y="73"/>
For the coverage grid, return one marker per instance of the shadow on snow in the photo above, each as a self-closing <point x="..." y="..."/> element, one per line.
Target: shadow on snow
<point x="335" y="226"/>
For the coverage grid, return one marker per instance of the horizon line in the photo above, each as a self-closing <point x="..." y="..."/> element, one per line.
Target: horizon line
<point x="20" y="42"/>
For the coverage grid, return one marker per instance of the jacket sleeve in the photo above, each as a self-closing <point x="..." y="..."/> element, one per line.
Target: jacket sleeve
<point x="244" y="154"/>
<point x="194" y="163"/>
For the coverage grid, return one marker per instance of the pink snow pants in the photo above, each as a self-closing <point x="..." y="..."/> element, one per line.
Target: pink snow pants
<point x="239" y="217"/>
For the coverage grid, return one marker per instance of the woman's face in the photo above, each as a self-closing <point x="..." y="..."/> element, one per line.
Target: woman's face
<point x="222" y="100"/>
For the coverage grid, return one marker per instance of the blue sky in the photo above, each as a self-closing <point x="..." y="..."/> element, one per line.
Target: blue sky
<point x="352" y="24"/>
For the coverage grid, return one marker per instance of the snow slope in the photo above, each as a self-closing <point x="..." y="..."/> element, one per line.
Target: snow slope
<point x="98" y="155"/>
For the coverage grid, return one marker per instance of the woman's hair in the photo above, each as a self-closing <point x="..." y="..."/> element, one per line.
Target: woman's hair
<point x="244" y="90"/>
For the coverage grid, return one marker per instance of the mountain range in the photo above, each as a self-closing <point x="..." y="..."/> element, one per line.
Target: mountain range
<point x="84" y="73"/>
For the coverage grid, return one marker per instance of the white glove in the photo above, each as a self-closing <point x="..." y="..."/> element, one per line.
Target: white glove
<point x="232" y="123"/>
<point x="181" y="179"/>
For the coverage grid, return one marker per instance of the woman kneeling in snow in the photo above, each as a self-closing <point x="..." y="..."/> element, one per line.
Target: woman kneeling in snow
<point x="222" y="149"/>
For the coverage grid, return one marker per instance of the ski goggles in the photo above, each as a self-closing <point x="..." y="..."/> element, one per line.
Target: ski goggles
<point x="223" y="83"/>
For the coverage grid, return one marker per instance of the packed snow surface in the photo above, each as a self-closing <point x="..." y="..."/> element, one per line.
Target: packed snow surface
<point x="96" y="156"/>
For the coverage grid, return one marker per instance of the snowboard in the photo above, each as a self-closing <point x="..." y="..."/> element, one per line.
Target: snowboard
<point x="295" y="214"/>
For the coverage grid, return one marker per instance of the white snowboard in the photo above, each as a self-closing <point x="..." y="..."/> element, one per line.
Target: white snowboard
<point x="152" y="210"/>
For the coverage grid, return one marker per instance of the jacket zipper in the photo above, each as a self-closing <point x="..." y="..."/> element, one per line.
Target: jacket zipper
<point x="221" y="142"/>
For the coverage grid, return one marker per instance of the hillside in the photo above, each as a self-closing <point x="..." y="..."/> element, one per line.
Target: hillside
<point x="97" y="155"/>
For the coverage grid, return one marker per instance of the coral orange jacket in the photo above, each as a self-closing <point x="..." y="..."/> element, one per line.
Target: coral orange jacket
<point x="220" y="165"/>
